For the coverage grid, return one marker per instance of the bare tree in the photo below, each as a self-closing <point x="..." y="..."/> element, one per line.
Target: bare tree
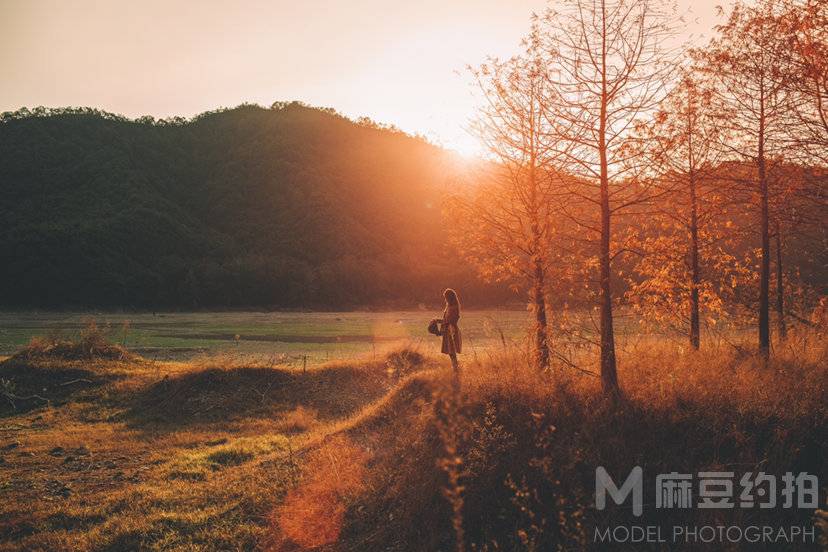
<point x="610" y="65"/>
<point x="802" y="48"/>
<point x="797" y="207"/>
<point x="508" y="215"/>
<point x="744" y="61"/>
<point x="802" y="28"/>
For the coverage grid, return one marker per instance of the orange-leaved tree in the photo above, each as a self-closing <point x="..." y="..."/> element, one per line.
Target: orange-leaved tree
<point x="744" y="60"/>
<point x="502" y="224"/>
<point x="610" y="66"/>
<point x="683" y="259"/>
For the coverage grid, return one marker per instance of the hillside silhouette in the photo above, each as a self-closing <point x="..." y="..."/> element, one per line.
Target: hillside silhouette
<point x="288" y="206"/>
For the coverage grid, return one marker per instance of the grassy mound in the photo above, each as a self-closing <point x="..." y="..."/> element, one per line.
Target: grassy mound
<point x="27" y="384"/>
<point x="527" y="447"/>
<point x="224" y="389"/>
<point x="51" y="370"/>
<point x="175" y="456"/>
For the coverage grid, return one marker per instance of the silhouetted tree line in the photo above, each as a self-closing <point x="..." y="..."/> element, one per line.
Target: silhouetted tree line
<point x="283" y="207"/>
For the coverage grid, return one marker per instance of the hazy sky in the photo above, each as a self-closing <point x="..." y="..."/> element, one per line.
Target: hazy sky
<point x="396" y="62"/>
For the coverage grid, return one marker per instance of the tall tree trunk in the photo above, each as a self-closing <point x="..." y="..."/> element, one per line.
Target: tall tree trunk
<point x="780" y="287"/>
<point x="764" y="275"/>
<point x="695" y="277"/>
<point x="539" y="306"/>
<point x="538" y="272"/>
<point x="609" y="376"/>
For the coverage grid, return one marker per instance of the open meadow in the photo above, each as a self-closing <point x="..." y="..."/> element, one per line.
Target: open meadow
<point x="279" y="337"/>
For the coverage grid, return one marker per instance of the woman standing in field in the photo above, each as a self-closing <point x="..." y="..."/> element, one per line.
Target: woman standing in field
<point x="452" y="342"/>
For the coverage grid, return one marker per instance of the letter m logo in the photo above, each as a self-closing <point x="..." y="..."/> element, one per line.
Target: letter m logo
<point x="634" y="484"/>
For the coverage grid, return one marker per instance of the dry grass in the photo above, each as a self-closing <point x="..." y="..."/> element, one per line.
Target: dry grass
<point x="175" y="456"/>
<point x="299" y="420"/>
<point x="313" y="512"/>
<point x="665" y="376"/>
<point x="221" y="454"/>
<point x="532" y="441"/>
<point x="92" y="343"/>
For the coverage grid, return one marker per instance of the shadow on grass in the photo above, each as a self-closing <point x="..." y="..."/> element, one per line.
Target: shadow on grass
<point x="213" y="396"/>
<point x="27" y="386"/>
<point x="530" y="460"/>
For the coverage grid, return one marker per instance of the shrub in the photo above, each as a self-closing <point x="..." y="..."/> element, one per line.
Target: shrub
<point x="92" y="343"/>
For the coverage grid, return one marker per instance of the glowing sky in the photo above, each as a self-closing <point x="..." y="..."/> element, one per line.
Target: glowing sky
<point x="396" y="62"/>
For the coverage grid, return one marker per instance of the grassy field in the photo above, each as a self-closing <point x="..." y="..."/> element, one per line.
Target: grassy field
<point x="111" y="451"/>
<point x="283" y="337"/>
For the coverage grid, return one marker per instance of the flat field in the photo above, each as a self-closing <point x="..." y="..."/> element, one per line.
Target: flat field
<point x="283" y="337"/>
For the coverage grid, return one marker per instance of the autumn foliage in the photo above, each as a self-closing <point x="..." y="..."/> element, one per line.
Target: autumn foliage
<point x="628" y="175"/>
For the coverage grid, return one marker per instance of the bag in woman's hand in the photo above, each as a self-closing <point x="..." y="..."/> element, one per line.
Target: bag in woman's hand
<point x="434" y="327"/>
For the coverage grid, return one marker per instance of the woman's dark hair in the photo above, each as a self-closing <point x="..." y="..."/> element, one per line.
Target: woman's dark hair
<point x="451" y="297"/>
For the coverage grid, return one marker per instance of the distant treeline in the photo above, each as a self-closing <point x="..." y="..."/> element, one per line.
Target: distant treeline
<point x="283" y="207"/>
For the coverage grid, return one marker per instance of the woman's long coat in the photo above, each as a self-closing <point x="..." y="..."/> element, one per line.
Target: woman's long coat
<point x="452" y="341"/>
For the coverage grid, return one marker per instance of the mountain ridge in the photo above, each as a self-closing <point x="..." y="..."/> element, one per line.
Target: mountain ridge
<point x="285" y="207"/>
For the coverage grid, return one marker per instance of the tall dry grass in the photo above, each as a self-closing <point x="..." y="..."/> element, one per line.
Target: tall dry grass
<point x="313" y="512"/>
<point x="664" y="373"/>
<point x="524" y="445"/>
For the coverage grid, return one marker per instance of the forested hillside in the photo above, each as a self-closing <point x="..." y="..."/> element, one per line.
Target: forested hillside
<point x="283" y="207"/>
